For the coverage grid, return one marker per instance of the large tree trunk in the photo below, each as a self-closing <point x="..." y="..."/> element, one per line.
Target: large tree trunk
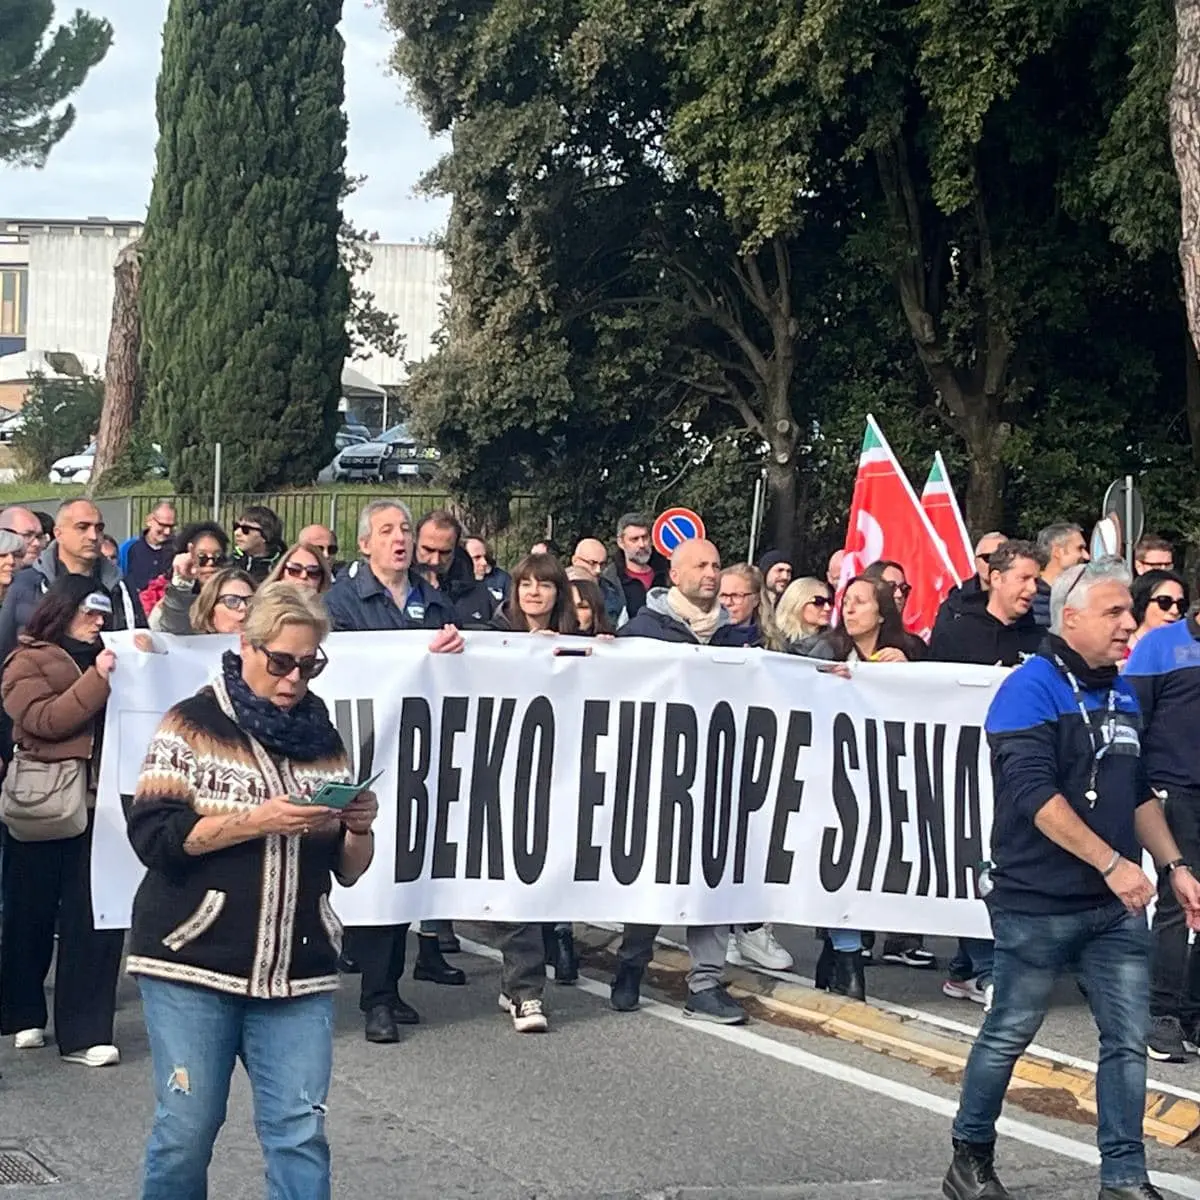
<point x="122" y="372"/>
<point x="1185" y="144"/>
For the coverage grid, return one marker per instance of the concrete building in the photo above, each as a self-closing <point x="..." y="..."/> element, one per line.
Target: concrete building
<point x="56" y="290"/>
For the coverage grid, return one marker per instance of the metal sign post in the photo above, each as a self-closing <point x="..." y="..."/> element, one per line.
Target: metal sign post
<point x="216" y="509"/>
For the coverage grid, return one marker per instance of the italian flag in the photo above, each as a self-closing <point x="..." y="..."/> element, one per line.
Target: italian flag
<point x="941" y="507"/>
<point x="888" y="522"/>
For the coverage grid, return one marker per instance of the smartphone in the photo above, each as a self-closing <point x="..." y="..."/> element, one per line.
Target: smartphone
<point x="338" y="795"/>
<point x="571" y="652"/>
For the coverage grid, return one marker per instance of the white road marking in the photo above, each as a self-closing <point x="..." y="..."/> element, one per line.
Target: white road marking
<point x="1031" y="1135"/>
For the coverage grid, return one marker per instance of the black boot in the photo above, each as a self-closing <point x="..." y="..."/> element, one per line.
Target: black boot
<point x="381" y="1025"/>
<point x="849" y="979"/>
<point x="549" y="945"/>
<point x="448" y="942"/>
<point x="823" y="975"/>
<point x="626" y="988"/>
<point x="972" y="1174"/>
<point x="1134" y="1191"/>
<point x="566" y="961"/>
<point x="432" y="967"/>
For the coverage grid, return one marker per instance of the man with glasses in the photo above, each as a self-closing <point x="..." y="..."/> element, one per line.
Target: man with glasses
<point x="1064" y="547"/>
<point x="1164" y="671"/>
<point x="75" y="550"/>
<point x="323" y="540"/>
<point x="966" y="593"/>
<point x="591" y="555"/>
<point x="21" y="521"/>
<point x="1153" y="553"/>
<point x="258" y="541"/>
<point x="151" y="554"/>
<point x="1065" y="890"/>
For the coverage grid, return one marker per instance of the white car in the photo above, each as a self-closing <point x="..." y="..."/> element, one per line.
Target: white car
<point x="75" y="468"/>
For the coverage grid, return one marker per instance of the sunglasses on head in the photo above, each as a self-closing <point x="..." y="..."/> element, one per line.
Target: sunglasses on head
<point x="1166" y="603"/>
<point x="243" y="527"/>
<point x="233" y="601"/>
<point x="282" y="665"/>
<point x="210" y="560"/>
<point x="301" y="571"/>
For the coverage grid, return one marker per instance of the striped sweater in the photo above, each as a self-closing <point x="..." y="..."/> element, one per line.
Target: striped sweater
<point x="252" y="919"/>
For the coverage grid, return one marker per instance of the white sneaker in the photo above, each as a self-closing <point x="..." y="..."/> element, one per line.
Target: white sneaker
<point x="95" y="1056"/>
<point x="757" y="948"/>
<point x="965" y="989"/>
<point x="528" y="1017"/>
<point x="30" y="1039"/>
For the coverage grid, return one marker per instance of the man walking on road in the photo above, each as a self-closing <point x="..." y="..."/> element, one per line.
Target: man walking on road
<point x="687" y="612"/>
<point x="1065" y="891"/>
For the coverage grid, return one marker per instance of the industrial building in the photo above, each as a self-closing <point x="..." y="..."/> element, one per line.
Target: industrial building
<point x="56" y="291"/>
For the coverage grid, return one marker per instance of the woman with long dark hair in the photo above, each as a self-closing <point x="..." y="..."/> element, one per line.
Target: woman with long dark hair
<point x="590" y="613"/>
<point x="55" y="689"/>
<point x="540" y="598"/>
<point x="1160" y="597"/>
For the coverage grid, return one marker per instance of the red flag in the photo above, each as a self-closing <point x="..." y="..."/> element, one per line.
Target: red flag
<point x="941" y="507"/>
<point x="887" y="521"/>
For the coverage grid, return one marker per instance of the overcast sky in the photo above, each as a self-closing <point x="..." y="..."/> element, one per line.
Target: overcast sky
<point x="105" y="165"/>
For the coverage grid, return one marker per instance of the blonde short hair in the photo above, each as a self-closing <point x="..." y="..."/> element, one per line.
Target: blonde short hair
<point x="789" y="612"/>
<point x="277" y="605"/>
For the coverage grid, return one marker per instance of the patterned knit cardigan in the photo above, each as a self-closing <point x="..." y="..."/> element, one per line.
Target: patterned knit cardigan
<point x="253" y="919"/>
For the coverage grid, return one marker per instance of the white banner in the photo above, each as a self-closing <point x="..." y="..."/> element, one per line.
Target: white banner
<point x="622" y="781"/>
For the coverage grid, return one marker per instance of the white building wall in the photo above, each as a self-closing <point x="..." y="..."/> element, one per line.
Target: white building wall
<point x="71" y="292"/>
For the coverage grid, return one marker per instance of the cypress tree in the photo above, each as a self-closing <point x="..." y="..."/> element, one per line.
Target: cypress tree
<point x="244" y="299"/>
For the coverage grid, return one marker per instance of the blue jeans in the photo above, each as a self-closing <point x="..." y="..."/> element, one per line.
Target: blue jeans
<point x="1111" y="949"/>
<point x="286" y="1046"/>
<point x="973" y="960"/>
<point x="845" y="941"/>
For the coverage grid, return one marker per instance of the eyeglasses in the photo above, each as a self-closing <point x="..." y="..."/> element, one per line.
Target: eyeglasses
<point x="233" y="601"/>
<point x="821" y="602"/>
<point x="243" y="527"/>
<point x="1166" y="603"/>
<point x="596" y="564"/>
<point x="165" y="526"/>
<point x="726" y="597"/>
<point x="301" y="571"/>
<point x="210" y="560"/>
<point x="282" y="665"/>
<point x="902" y="589"/>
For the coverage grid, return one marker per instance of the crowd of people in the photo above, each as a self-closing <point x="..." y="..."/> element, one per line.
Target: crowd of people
<point x="234" y="910"/>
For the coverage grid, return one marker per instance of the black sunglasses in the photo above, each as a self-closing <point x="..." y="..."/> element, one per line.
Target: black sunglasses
<point x="329" y="551"/>
<point x="210" y="560"/>
<point x="242" y="527"/>
<point x="300" y="571"/>
<point x="1166" y="603"/>
<point x="282" y="665"/>
<point x="821" y="601"/>
<point x="902" y="589"/>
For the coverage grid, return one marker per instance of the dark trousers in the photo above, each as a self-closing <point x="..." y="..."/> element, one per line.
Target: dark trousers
<point x="523" y="970"/>
<point x="48" y="884"/>
<point x="379" y="952"/>
<point x="1175" y="981"/>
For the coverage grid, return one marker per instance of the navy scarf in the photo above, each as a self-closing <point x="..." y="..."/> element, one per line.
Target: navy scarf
<point x="303" y="733"/>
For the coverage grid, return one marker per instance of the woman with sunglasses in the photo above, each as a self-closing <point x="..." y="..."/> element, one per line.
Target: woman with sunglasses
<point x="1160" y="597"/>
<point x="305" y="566"/>
<point x="802" y="614"/>
<point x="222" y="603"/>
<point x="234" y="942"/>
<point x="55" y="689"/>
<point x="201" y="550"/>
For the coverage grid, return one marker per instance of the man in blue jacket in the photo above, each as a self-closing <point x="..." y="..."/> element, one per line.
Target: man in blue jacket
<point x="1164" y="670"/>
<point x="687" y="612"/>
<point x="1073" y="811"/>
<point x="383" y="591"/>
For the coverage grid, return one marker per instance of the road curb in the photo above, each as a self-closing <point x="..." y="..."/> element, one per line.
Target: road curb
<point x="1038" y="1085"/>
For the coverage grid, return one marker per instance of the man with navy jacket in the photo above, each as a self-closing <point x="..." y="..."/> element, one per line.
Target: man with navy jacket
<point x="1073" y="811"/>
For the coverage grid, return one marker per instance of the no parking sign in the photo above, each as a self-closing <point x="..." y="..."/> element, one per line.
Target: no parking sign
<point x="674" y="526"/>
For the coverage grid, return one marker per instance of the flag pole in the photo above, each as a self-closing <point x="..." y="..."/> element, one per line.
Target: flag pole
<point x="968" y="545"/>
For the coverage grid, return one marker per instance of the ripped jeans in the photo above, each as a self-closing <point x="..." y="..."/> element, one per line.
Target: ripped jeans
<point x="286" y="1046"/>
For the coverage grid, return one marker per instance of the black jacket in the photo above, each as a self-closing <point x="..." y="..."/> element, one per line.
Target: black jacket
<point x="975" y="636"/>
<point x="473" y="602"/>
<point x="1041" y="604"/>
<point x="358" y="601"/>
<point x="635" y="592"/>
<point x="956" y="600"/>
<point x="146" y="562"/>
<point x="657" y="621"/>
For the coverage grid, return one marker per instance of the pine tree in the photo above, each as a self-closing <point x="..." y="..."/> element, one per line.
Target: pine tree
<point x="37" y="76"/>
<point x="244" y="299"/>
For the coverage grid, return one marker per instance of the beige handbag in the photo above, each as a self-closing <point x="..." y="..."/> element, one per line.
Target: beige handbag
<point x="42" y="802"/>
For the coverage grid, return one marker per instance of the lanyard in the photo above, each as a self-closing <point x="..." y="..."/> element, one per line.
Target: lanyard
<point x="1103" y="741"/>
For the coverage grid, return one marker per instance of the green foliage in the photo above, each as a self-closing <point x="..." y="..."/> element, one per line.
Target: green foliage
<point x="135" y="463"/>
<point x="60" y="418"/>
<point x="38" y="76"/>
<point x="244" y="297"/>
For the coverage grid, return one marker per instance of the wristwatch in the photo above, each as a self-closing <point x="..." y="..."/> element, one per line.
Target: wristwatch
<point x="1175" y="864"/>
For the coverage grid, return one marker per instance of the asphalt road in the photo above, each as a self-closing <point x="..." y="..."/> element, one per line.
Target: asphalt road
<point x="645" y="1106"/>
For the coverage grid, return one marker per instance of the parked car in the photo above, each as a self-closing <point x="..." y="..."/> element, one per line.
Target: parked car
<point x="349" y="436"/>
<point x="77" y="468"/>
<point x="394" y="454"/>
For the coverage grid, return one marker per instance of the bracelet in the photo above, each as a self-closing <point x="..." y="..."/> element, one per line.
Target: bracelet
<point x="1176" y="864"/>
<point x="1112" y="866"/>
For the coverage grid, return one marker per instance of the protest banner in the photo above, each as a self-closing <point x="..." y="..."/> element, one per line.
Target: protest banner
<point x="634" y="781"/>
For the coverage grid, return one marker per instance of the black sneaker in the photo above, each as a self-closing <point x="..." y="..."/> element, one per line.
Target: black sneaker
<point x="716" y="1005"/>
<point x="1165" y="1043"/>
<point x="915" y="957"/>
<point x="1134" y="1191"/>
<point x="626" y="987"/>
<point x="972" y="1174"/>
